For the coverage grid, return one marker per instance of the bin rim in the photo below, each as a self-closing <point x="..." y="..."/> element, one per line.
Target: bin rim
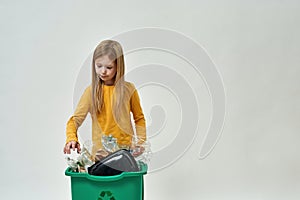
<point x="143" y="171"/>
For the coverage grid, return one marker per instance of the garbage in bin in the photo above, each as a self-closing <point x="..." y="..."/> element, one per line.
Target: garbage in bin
<point x="138" y="153"/>
<point x="109" y="143"/>
<point x="143" y="152"/>
<point x="81" y="161"/>
<point x="115" y="163"/>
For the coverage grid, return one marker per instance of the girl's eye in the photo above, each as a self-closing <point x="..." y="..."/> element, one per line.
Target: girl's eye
<point x="108" y="67"/>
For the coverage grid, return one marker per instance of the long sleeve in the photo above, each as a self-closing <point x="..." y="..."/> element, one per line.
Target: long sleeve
<point x="82" y="109"/>
<point x="138" y="116"/>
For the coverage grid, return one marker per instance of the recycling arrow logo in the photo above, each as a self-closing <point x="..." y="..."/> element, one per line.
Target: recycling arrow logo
<point x="106" y="195"/>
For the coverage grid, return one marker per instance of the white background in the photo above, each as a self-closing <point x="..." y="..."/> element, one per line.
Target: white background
<point x="255" y="45"/>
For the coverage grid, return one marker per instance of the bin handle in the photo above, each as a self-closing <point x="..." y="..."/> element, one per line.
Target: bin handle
<point x="107" y="178"/>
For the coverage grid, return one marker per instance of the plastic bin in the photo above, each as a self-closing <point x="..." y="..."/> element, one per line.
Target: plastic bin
<point x="125" y="186"/>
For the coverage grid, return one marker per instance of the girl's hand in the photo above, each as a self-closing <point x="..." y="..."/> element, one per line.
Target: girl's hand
<point x="72" y="145"/>
<point x="137" y="150"/>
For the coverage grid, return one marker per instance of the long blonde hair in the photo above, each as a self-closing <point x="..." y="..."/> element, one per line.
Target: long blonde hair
<point x="114" y="51"/>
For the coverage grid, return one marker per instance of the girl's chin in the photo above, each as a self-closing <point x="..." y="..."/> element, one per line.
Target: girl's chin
<point x="107" y="80"/>
<point x="103" y="78"/>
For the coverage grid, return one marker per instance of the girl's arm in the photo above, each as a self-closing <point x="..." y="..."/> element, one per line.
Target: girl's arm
<point x="138" y="116"/>
<point x="79" y="116"/>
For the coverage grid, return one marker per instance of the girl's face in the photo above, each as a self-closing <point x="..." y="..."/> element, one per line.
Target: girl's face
<point x="106" y="69"/>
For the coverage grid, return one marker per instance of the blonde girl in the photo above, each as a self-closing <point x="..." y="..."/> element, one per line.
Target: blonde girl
<point x="110" y="100"/>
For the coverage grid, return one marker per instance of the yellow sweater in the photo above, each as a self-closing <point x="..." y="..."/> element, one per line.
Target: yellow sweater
<point x="104" y="123"/>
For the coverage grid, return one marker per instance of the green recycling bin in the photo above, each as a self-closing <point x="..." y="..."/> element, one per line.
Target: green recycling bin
<point x="125" y="186"/>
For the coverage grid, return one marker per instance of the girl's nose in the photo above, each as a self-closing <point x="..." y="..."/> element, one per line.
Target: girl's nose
<point x="103" y="70"/>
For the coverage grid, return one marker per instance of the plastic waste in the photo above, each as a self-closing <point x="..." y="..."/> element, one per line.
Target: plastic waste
<point x="109" y="143"/>
<point x="143" y="152"/>
<point x="115" y="163"/>
<point x="80" y="162"/>
<point x="112" y="159"/>
<point x="72" y="163"/>
<point x="85" y="159"/>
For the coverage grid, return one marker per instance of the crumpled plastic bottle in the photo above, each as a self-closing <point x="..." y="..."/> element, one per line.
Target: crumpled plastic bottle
<point x="72" y="163"/>
<point x="80" y="162"/>
<point x="146" y="155"/>
<point x="85" y="159"/>
<point x="109" y="143"/>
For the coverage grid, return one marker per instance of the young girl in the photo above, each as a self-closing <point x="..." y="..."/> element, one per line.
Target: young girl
<point x="109" y="100"/>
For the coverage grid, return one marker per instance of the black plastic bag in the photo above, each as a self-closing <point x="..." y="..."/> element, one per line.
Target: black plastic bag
<point x="114" y="164"/>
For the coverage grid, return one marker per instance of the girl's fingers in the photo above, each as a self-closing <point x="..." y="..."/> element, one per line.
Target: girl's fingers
<point x="73" y="145"/>
<point x="78" y="148"/>
<point x="67" y="148"/>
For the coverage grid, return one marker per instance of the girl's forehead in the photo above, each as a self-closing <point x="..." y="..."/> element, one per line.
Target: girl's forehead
<point x="104" y="60"/>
